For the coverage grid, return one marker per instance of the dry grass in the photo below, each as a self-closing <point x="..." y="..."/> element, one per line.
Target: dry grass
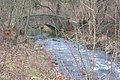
<point x="23" y="62"/>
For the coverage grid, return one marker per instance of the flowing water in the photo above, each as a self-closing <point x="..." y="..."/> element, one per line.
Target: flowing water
<point x="75" y="61"/>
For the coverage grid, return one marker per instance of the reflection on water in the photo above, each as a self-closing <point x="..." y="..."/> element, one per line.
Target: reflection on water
<point x="75" y="60"/>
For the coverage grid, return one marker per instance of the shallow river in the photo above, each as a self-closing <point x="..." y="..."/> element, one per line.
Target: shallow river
<point x="74" y="60"/>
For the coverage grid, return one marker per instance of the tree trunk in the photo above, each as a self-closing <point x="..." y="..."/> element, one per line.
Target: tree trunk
<point x="58" y="8"/>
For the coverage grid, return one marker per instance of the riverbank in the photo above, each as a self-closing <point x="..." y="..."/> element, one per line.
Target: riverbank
<point x="24" y="62"/>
